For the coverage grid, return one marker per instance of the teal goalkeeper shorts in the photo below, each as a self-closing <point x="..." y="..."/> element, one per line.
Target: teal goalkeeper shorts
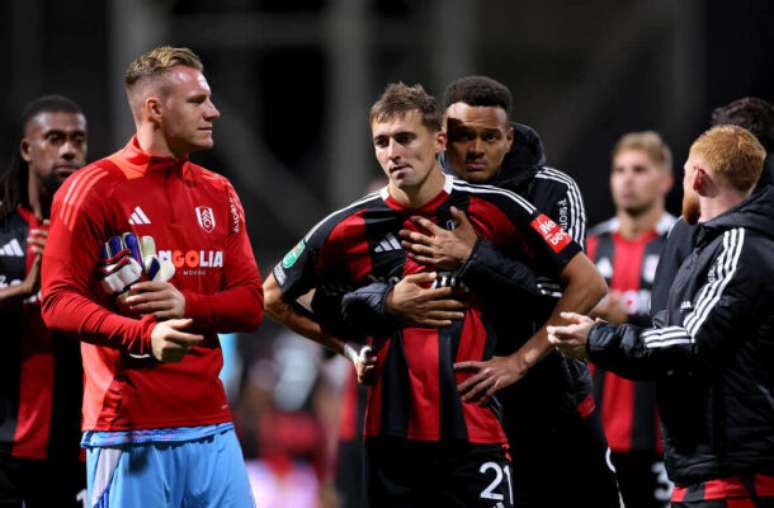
<point x="207" y="472"/>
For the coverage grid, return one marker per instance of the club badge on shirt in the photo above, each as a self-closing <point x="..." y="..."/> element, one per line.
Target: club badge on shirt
<point x="206" y="218"/>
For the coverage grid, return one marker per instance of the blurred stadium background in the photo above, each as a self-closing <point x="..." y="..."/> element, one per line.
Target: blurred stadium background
<point x="294" y="79"/>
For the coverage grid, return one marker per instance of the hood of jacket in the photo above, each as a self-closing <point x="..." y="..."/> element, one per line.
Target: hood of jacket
<point x="755" y="213"/>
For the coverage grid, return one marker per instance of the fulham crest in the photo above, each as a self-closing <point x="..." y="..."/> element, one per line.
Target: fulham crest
<point x="206" y="218"/>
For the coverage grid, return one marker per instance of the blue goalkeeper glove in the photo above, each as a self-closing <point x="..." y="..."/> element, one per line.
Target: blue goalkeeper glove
<point x="125" y="261"/>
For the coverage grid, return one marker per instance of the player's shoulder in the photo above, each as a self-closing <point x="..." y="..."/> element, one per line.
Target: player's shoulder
<point x="552" y="179"/>
<point x="320" y="231"/>
<point x="605" y="228"/>
<point x="495" y="195"/>
<point x="94" y="179"/>
<point x="208" y="177"/>
<point x="665" y="224"/>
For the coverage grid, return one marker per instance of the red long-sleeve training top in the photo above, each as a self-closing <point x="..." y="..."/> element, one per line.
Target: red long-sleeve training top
<point x="198" y="223"/>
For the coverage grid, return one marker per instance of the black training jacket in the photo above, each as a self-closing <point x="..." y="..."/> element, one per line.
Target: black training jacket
<point x="713" y="354"/>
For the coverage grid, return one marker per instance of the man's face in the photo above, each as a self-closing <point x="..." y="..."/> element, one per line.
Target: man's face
<point x="54" y="146"/>
<point x="479" y="139"/>
<point x="637" y="182"/>
<point x="691" y="206"/>
<point x="187" y="112"/>
<point x="406" y="149"/>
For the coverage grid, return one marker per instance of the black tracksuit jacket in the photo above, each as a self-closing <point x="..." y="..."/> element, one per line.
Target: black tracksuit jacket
<point x="712" y="355"/>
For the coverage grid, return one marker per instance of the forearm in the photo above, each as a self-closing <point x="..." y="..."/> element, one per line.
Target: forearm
<point x="489" y="270"/>
<point x="283" y="312"/>
<point x="641" y="354"/>
<point x="585" y="288"/>
<point x="14" y="294"/>
<point x="238" y="309"/>
<point x="68" y="311"/>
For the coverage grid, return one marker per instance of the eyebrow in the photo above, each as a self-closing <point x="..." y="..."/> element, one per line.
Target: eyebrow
<point x="58" y="130"/>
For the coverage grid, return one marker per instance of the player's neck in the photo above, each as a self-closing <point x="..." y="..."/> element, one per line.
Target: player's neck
<point x="632" y="226"/>
<point x="39" y="201"/>
<point x="151" y="140"/>
<point x="417" y="197"/>
<point x="719" y="204"/>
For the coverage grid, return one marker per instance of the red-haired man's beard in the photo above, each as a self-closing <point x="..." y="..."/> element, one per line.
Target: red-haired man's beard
<point x="691" y="208"/>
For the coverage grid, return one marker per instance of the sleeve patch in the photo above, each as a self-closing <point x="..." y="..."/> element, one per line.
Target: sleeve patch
<point x="551" y="232"/>
<point x="291" y="257"/>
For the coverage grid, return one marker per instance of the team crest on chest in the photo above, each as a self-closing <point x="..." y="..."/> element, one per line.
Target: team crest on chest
<point x="206" y="218"/>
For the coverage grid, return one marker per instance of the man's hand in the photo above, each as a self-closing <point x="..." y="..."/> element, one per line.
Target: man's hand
<point x="31" y="284"/>
<point x="611" y="308"/>
<point x="160" y="298"/>
<point x="441" y="248"/>
<point x="364" y="360"/>
<point x="488" y="377"/>
<point x="571" y="339"/>
<point x="169" y="343"/>
<point x="36" y="242"/>
<point x="420" y="306"/>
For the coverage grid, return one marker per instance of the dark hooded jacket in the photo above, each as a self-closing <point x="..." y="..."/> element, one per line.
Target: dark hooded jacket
<point x="712" y="355"/>
<point x="682" y="239"/>
<point x="555" y="389"/>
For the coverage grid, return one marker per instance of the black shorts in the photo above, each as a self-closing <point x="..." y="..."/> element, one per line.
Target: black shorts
<point x="746" y="502"/>
<point x="642" y="479"/>
<point x="350" y="475"/>
<point x="563" y="466"/>
<point x="414" y="474"/>
<point x="41" y="483"/>
<point x="744" y="491"/>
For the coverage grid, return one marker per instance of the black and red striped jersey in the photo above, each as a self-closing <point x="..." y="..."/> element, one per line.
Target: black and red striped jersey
<point x="416" y="394"/>
<point x="41" y="378"/>
<point x="628" y="408"/>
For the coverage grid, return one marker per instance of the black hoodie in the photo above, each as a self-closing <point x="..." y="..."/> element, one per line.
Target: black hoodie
<point x="713" y="354"/>
<point x="555" y="387"/>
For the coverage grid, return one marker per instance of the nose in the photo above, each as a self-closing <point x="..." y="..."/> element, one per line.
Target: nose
<point x="67" y="150"/>
<point x="211" y="113"/>
<point x="476" y="146"/>
<point x="394" y="149"/>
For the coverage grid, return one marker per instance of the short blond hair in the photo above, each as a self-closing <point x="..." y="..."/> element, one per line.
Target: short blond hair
<point x="649" y="142"/>
<point x="733" y="153"/>
<point x="158" y="61"/>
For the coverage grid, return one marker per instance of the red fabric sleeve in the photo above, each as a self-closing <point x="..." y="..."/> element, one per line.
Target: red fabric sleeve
<point x="69" y="261"/>
<point x="238" y="307"/>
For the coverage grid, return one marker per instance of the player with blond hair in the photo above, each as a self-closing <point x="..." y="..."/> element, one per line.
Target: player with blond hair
<point x="147" y="259"/>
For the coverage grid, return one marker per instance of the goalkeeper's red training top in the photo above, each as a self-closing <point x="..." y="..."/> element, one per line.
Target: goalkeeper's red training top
<point x="198" y="223"/>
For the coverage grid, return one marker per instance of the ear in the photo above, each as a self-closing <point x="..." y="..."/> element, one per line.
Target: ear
<point x="510" y="135"/>
<point x="667" y="182"/>
<point x="152" y="109"/>
<point x="24" y="150"/>
<point x="440" y="141"/>
<point x="700" y="180"/>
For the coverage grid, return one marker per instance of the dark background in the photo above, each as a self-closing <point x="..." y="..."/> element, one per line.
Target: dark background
<point x="294" y="80"/>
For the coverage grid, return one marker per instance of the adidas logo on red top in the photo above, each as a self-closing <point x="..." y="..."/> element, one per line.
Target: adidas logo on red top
<point x="138" y="217"/>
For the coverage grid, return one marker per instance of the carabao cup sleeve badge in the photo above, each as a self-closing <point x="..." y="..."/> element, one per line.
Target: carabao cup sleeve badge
<point x="292" y="256"/>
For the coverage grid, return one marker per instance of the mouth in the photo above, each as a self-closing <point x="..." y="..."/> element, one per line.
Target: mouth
<point x="64" y="171"/>
<point x="399" y="167"/>
<point x="475" y="165"/>
<point x="206" y="129"/>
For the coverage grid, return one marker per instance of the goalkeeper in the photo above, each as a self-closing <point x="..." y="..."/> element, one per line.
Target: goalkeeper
<point x="157" y="426"/>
